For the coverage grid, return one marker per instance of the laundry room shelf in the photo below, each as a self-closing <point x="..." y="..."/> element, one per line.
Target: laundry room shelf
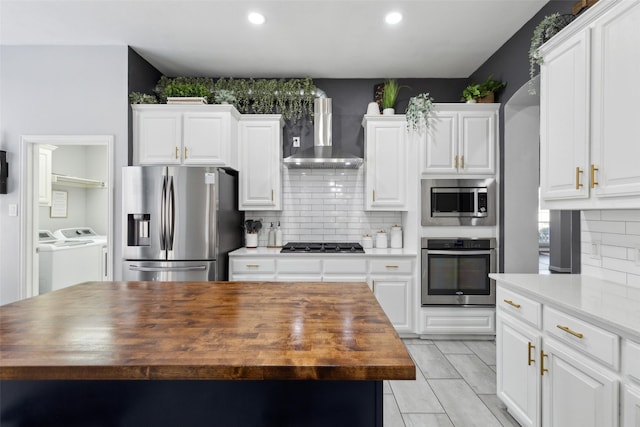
<point x="74" y="181"/>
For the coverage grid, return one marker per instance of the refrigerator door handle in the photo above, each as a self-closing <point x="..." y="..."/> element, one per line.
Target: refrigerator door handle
<point x="163" y="220"/>
<point x="191" y="268"/>
<point x="172" y="214"/>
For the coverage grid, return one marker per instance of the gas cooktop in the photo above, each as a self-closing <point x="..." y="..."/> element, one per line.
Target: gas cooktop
<point x="323" y="247"/>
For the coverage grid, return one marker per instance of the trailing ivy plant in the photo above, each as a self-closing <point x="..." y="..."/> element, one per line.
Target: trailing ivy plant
<point x="142" y="98"/>
<point x="293" y="98"/>
<point x="418" y="110"/>
<point x="546" y="29"/>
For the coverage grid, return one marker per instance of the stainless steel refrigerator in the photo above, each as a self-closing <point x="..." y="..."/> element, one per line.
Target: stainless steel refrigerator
<point x="179" y="222"/>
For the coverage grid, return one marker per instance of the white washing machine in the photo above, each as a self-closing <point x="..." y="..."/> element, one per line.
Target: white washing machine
<point x="67" y="262"/>
<point x="83" y="234"/>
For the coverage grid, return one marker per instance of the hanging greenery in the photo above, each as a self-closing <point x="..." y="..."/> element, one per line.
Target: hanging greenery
<point x="418" y="111"/>
<point x="293" y="98"/>
<point x="547" y="28"/>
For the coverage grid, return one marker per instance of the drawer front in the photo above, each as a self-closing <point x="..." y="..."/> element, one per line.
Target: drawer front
<point x="403" y="266"/>
<point x="448" y="321"/>
<point x="519" y="306"/>
<point x="590" y="339"/>
<point x="305" y="266"/>
<point x="631" y="357"/>
<point x="345" y="266"/>
<point x="253" y="265"/>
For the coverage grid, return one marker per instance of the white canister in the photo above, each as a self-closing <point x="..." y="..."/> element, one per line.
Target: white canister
<point x="367" y="241"/>
<point x="396" y="237"/>
<point x="381" y="239"/>
<point x="373" y="108"/>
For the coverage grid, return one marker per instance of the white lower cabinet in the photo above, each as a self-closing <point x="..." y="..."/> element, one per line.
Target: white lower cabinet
<point x="390" y="278"/>
<point x="577" y="392"/>
<point x="518" y="378"/>
<point x="631" y="406"/>
<point x="555" y="370"/>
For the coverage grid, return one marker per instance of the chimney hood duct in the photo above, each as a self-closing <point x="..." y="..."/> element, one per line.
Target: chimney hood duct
<point x="322" y="155"/>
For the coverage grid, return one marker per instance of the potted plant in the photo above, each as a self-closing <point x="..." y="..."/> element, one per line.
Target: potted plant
<point x="181" y="92"/>
<point x="489" y="88"/>
<point x="547" y="28"/>
<point x="224" y="96"/>
<point x="472" y="92"/>
<point x="390" y="95"/>
<point x="418" y="110"/>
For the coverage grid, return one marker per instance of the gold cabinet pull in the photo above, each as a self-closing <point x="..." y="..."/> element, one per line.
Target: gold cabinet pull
<point x="252" y="265"/>
<point x="177" y="152"/>
<point x="578" y="172"/>
<point x="455" y="162"/>
<point x="272" y="195"/>
<point x="594" y="169"/>
<point x="542" y="368"/>
<point x="530" y="360"/>
<point x="374" y="195"/>
<point x="185" y="153"/>
<point x="392" y="266"/>
<point x="569" y="331"/>
<point x="461" y="162"/>
<point x="511" y="303"/>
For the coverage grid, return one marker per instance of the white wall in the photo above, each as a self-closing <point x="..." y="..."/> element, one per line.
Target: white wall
<point x="56" y="90"/>
<point x="324" y="205"/>
<point x="617" y="232"/>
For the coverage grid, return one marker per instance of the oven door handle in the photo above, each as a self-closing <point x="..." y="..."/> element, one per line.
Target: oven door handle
<point x="463" y="253"/>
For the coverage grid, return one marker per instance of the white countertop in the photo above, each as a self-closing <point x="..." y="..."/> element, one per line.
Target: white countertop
<point x="262" y="251"/>
<point x="613" y="306"/>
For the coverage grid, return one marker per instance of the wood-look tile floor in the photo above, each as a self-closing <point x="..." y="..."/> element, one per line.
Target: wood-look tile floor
<point x="455" y="386"/>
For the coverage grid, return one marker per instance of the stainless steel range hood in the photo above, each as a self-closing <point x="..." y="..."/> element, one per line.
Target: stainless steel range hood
<point x="322" y="155"/>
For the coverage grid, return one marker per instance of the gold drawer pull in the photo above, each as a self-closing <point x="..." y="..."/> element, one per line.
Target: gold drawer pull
<point x="542" y="368"/>
<point x="508" y="301"/>
<point x="253" y="265"/>
<point x="392" y="266"/>
<point x="578" y="172"/>
<point x="529" y="359"/>
<point x="569" y="331"/>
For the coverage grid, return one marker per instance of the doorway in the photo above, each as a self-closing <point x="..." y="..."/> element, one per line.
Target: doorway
<point x="67" y="182"/>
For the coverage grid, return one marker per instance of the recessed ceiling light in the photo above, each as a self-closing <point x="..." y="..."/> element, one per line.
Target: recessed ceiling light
<point x="393" y="18"/>
<point x="256" y="18"/>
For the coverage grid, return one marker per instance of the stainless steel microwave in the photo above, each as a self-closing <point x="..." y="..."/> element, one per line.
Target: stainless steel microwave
<point x="459" y="202"/>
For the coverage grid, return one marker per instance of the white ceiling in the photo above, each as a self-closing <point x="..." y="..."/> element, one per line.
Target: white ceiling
<point x="316" y="38"/>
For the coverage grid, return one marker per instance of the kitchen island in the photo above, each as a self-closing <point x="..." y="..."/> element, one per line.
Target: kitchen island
<point x="198" y="353"/>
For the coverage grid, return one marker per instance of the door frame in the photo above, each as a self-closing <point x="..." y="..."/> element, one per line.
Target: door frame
<point x="29" y="285"/>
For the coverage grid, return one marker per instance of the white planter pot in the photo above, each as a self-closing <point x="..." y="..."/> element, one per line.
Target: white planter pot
<point x="251" y="240"/>
<point x="388" y="112"/>
<point x="471" y="101"/>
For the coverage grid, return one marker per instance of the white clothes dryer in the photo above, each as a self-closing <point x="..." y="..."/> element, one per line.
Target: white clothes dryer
<point x="87" y="233"/>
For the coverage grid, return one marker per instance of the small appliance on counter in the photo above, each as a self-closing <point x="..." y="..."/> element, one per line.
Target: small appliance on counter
<point x="179" y="222"/>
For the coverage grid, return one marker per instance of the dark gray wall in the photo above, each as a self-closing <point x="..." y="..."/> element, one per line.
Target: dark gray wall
<point x="350" y="99"/>
<point x="142" y="77"/>
<point x="510" y="64"/>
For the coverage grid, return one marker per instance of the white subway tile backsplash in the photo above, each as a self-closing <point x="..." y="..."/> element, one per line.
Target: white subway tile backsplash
<point x="323" y="205"/>
<point x="618" y="232"/>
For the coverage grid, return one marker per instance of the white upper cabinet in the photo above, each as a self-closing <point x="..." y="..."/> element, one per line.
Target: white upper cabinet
<point x="588" y="113"/>
<point x="616" y="111"/>
<point x="386" y="163"/>
<point x="185" y="134"/>
<point x="564" y="120"/>
<point x="461" y="139"/>
<point x="260" y="158"/>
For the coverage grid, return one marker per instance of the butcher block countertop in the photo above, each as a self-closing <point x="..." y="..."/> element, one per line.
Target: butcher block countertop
<point x="202" y="330"/>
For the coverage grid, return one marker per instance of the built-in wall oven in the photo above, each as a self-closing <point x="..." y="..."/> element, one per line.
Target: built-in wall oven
<point x="455" y="271"/>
